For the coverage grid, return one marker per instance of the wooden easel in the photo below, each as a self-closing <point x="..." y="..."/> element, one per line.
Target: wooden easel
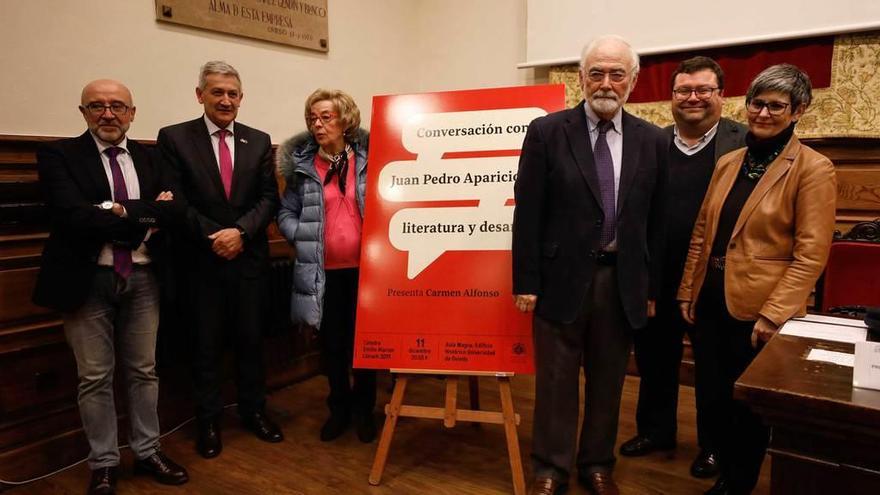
<point x="450" y="414"/>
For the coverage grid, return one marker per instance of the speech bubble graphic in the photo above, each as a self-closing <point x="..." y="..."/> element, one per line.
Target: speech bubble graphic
<point x="426" y="233"/>
<point x="432" y="134"/>
<point x="490" y="179"/>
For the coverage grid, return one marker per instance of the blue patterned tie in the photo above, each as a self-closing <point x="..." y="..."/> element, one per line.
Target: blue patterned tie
<point x="605" y="171"/>
<point x="121" y="255"/>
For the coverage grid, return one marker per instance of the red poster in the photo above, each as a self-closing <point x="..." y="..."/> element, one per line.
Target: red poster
<point x="435" y="280"/>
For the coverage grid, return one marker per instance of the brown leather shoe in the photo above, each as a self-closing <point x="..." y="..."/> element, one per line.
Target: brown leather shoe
<point x="546" y="486"/>
<point x="103" y="481"/>
<point x="599" y="484"/>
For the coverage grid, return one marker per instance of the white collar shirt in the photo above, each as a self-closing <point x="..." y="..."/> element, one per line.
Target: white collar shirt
<point x="213" y="130"/>
<point x="701" y="143"/>
<point x="139" y="256"/>
<point x="614" y="138"/>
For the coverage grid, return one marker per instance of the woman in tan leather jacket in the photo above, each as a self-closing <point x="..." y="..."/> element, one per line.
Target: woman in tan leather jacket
<point x="760" y="242"/>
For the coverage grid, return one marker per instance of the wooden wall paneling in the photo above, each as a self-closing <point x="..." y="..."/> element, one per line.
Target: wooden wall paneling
<point x="40" y="429"/>
<point x="16" y="286"/>
<point x="35" y="377"/>
<point x="857" y="162"/>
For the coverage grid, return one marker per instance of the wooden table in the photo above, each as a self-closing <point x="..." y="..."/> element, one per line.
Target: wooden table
<point x="826" y="434"/>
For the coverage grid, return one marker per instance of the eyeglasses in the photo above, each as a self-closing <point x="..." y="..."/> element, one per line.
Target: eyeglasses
<point x="97" y="109"/>
<point x="703" y="92"/>
<point x="325" y="118"/>
<point x="597" y="75"/>
<point x="773" y="107"/>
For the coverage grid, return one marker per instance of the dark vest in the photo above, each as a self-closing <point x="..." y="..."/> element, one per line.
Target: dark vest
<point x="689" y="178"/>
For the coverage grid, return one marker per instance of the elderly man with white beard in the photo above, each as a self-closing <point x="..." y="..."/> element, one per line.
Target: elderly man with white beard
<point x="586" y="225"/>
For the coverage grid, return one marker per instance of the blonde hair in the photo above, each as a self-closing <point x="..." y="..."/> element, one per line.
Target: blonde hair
<point x="343" y="103"/>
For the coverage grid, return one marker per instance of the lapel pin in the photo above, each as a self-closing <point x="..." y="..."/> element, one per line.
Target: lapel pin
<point x="243" y="140"/>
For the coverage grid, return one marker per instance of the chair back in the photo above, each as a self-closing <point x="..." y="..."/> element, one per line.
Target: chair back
<point x="852" y="275"/>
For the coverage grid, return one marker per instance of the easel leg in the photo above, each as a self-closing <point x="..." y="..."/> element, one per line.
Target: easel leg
<point x="516" y="469"/>
<point x="388" y="430"/>
<point x="474" y="388"/>
<point x="451" y="401"/>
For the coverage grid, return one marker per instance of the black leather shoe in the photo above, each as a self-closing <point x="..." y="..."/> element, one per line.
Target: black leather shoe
<point x="260" y="425"/>
<point x="208" y="443"/>
<point x="335" y="426"/>
<point x="162" y="468"/>
<point x="365" y="426"/>
<point x="705" y="465"/>
<point x="103" y="481"/>
<point x="721" y="487"/>
<point x="641" y="445"/>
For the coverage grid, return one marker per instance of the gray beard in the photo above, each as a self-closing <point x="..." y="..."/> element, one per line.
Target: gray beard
<point x="604" y="105"/>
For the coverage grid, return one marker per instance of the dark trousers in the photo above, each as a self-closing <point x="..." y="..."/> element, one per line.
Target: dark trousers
<point x="228" y="307"/>
<point x="600" y="338"/>
<point x="722" y="351"/>
<point x="658" y="352"/>
<point x="337" y="347"/>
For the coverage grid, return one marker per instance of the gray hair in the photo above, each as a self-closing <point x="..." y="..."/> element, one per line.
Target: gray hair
<point x="784" y="78"/>
<point x="216" y="67"/>
<point x="601" y="40"/>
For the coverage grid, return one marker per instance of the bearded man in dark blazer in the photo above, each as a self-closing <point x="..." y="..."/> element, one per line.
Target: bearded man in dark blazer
<point x="223" y="173"/>
<point x="586" y="227"/>
<point x="697" y="139"/>
<point x="109" y="208"/>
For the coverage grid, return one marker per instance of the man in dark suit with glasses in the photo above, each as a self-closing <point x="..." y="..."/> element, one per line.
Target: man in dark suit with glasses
<point x="586" y="225"/>
<point x="107" y="199"/>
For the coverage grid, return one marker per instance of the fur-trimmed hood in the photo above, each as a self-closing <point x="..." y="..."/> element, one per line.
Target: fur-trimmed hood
<point x="303" y="146"/>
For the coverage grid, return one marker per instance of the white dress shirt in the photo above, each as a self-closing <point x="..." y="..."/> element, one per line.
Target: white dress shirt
<point x="700" y="144"/>
<point x="139" y="256"/>
<point x="215" y="140"/>
<point x="614" y="138"/>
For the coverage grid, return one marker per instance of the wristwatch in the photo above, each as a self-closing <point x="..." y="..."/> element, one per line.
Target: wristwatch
<point x="242" y="233"/>
<point x="106" y="205"/>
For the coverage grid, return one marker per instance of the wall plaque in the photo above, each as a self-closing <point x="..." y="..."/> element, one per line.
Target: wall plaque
<point x="300" y="23"/>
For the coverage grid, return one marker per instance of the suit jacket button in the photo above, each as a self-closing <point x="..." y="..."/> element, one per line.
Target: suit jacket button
<point x="598" y="223"/>
<point x="592" y="253"/>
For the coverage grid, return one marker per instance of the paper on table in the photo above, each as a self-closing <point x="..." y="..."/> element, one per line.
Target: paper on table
<point x="841" y="358"/>
<point x="833" y="320"/>
<point x="824" y="331"/>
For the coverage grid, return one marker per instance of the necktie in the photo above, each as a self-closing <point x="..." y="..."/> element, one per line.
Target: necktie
<point x="225" y="162"/>
<point x="605" y="171"/>
<point x="121" y="254"/>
